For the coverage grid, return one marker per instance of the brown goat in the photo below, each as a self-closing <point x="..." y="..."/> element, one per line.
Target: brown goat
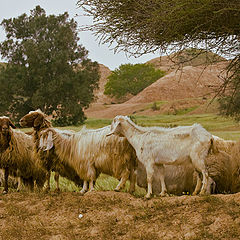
<point x="16" y="156"/>
<point x="90" y="152"/>
<point x="39" y="122"/>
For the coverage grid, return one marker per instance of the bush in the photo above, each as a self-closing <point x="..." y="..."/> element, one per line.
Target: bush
<point x="131" y="79"/>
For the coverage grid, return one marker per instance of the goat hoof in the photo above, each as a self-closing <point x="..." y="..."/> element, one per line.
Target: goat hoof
<point x="116" y="190"/>
<point x="148" y="196"/>
<point x="4" y="192"/>
<point x="164" y="194"/>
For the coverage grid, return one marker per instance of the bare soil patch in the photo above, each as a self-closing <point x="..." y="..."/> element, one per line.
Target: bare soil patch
<point x="111" y="215"/>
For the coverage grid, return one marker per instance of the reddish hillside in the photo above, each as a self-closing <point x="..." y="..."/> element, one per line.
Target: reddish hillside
<point x="193" y="84"/>
<point x="104" y="73"/>
<point x="190" y="82"/>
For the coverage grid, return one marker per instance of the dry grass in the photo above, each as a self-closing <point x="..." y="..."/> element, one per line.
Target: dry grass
<point x="110" y="215"/>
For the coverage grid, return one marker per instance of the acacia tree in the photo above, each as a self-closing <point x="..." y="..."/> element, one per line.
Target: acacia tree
<point x="46" y="68"/>
<point x="139" y="27"/>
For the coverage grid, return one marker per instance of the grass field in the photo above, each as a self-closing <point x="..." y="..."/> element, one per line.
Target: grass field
<point x="217" y="125"/>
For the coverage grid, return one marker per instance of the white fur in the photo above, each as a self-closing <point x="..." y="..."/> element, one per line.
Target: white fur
<point x="158" y="146"/>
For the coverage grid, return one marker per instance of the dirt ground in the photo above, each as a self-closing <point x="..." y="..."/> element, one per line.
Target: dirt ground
<point x="118" y="215"/>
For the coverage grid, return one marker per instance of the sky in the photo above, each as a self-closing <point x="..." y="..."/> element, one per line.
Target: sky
<point x="100" y="53"/>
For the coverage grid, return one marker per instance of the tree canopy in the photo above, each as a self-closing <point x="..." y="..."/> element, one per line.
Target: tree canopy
<point x="46" y="68"/>
<point x="139" y="27"/>
<point x="131" y="79"/>
<point x="146" y="26"/>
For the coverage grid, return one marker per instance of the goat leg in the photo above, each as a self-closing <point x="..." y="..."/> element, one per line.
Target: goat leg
<point x="6" y="173"/>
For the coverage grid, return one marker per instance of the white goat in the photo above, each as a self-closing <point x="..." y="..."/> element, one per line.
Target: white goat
<point x="90" y="153"/>
<point x="166" y="146"/>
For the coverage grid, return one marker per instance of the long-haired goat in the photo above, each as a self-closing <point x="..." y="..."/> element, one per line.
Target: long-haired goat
<point x="224" y="165"/>
<point x="167" y="146"/>
<point x="39" y="122"/>
<point x="90" y="153"/>
<point x="16" y="156"/>
<point x="220" y="144"/>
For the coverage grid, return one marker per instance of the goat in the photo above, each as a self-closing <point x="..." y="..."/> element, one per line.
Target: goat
<point x="158" y="146"/>
<point x="223" y="164"/>
<point x="90" y="153"/>
<point x="220" y="144"/>
<point x="16" y="156"/>
<point x="39" y="122"/>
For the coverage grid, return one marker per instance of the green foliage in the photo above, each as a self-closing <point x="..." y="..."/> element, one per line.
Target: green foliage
<point x="131" y="79"/>
<point x="46" y="68"/>
<point x="140" y="26"/>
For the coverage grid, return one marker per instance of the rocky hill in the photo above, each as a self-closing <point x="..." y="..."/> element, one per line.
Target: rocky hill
<point x="186" y="84"/>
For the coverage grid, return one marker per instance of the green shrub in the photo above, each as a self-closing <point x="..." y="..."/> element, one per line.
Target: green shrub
<point x="131" y="79"/>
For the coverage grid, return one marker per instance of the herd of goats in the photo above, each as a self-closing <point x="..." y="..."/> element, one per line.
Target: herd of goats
<point x="162" y="160"/>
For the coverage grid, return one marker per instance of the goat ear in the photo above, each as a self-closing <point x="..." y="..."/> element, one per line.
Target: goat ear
<point x="38" y="120"/>
<point x="49" y="141"/>
<point x="11" y="124"/>
<point x="41" y="143"/>
<point x="113" y="128"/>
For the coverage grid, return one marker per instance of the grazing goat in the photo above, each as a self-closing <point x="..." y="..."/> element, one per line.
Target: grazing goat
<point x="158" y="146"/>
<point x="90" y="153"/>
<point x="39" y="122"/>
<point x="224" y="165"/>
<point x="16" y="156"/>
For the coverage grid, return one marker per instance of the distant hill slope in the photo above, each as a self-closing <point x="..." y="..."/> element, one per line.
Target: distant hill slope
<point x="99" y="93"/>
<point x="190" y="82"/>
<point x="181" y="88"/>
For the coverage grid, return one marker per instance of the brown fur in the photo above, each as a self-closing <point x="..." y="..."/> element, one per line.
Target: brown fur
<point x="16" y="155"/>
<point x="12" y="181"/>
<point x="39" y="122"/>
<point x="235" y="163"/>
<point x="91" y="152"/>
